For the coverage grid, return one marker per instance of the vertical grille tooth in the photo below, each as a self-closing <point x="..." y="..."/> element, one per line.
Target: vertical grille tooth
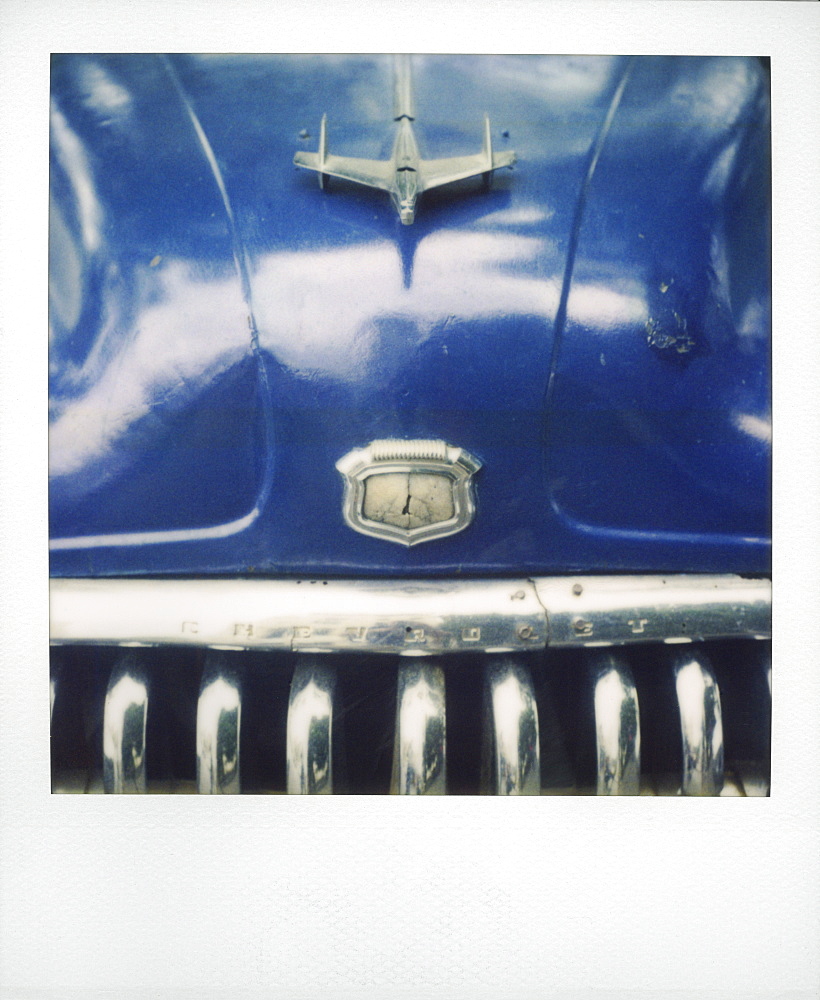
<point x="124" y="721"/>
<point x="753" y="769"/>
<point x="420" y="745"/>
<point x="511" y="753"/>
<point x="310" y="729"/>
<point x="54" y="683"/>
<point x="617" y="726"/>
<point x="701" y="724"/>
<point x="218" y="721"/>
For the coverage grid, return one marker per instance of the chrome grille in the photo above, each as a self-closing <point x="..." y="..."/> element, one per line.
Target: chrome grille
<point x="644" y="718"/>
<point x="607" y="685"/>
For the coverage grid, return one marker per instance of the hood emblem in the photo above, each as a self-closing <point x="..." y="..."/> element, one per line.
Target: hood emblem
<point x="408" y="491"/>
<point x="405" y="175"/>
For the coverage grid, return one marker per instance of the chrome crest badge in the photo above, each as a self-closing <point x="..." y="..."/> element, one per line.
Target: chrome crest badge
<point x="408" y="491"/>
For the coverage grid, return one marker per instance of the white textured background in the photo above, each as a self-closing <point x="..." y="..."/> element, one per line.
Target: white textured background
<point x="269" y="897"/>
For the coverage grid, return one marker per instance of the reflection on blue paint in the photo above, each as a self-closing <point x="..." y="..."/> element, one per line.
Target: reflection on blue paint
<point x="161" y="408"/>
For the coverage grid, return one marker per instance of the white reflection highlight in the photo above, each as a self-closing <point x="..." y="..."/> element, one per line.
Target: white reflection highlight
<point x="513" y="741"/>
<point x="719" y="261"/>
<point x="693" y="689"/>
<point x="560" y="81"/>
<point x="101" y="93"/>
<point x="754" y="426"/>
<point x="320" y="309"/>
<point x="420" y="736"/>
<point x="529" y="215"/>
<point x="224" y="530"/>
<point x="609" y="695"/>
<point x="602" y="309"/>
<point x="218" y="720"/>
<point x="715" y="97"/>
<point x="124" y="721"/>
<point x="701" y="729"/>
<point x="720" y="172"/>
<point x="309" y="736"/>
<point x="444" y="254"/>
<point x="313" y="308"/>
<point x="195" y="332"/>
<point x="65" y="273"/>
<point x="507" y="710"/>
<point x="316" y="311"/>
<point x="72" y="158"/>
<point x="618" y="733"/>
<point x="755" y="320"/>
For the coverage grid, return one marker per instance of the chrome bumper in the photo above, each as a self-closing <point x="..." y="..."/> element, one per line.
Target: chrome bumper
<point x="411" y="618"/>
<point x="503" y="686"/>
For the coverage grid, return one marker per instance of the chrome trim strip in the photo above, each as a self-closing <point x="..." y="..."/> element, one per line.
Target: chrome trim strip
<point x="617" y="726"/>
<point x="511" y="755"/>
<point x="124" y="721"/>
<point x="613" y="610"/>
<point x="409" y="617"/>
<point x="420" y="742"/>
<point x="310" y="730"/>
<point x="218" y="720"/>
<point x="701" y="724"/>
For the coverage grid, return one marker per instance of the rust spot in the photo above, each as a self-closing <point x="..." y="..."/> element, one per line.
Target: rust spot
<point x="669" y="334"/>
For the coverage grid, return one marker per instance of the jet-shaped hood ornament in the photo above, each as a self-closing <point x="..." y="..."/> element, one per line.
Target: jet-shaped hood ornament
<point x="405" y="175"/>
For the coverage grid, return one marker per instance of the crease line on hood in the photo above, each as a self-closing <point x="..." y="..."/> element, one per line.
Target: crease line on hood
<point x="575" y="232"/>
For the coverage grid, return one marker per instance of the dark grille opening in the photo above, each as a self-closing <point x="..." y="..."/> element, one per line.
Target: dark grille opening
<point x="364" y="717"/>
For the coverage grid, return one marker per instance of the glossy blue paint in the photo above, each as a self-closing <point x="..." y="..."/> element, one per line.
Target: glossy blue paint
<point x="223" y="331"/>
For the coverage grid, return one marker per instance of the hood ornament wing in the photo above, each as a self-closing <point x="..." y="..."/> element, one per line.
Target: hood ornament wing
<point x="405" y="175"/>
<point x="408" y="491"/>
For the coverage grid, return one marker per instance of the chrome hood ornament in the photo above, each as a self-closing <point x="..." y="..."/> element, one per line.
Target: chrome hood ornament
<point x="405" y="175"/>
<point x="408" y="491"/>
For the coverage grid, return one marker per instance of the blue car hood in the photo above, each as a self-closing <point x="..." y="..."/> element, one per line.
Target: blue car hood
<point x="595" y="329"/>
